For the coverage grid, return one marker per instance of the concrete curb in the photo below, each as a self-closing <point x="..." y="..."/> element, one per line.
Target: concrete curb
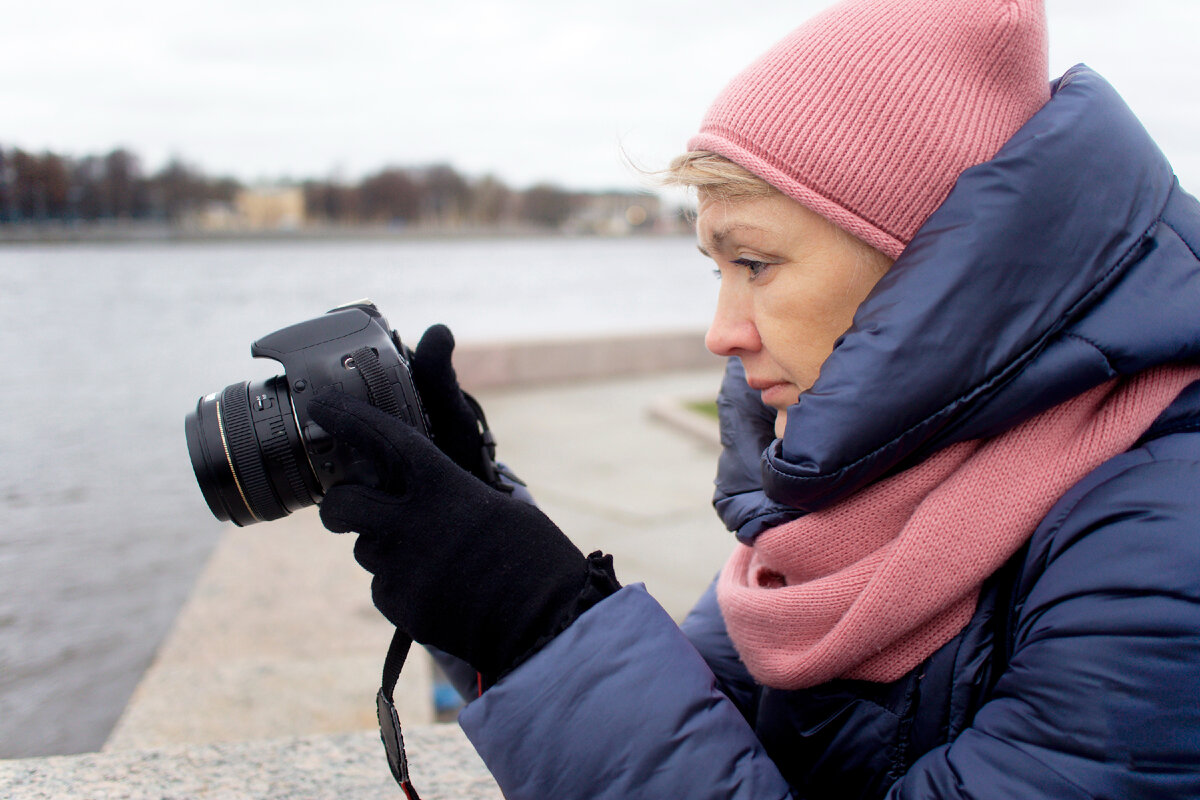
<point x="673" y="411"/>
<point x="525" y="363"/>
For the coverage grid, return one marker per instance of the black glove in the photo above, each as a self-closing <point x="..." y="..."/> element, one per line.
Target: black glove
<point x="458" y="564"/>
<point x="454" y="420"/>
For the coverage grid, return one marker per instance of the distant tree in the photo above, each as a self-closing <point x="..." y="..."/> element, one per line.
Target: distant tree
<point x="56" y="183"/>
<point x="40" y="185"/>
<point x="445" y="195"/>
<point x="390" y="196"/>
<point x="490" y="203"/>
<point x="8" y="200"/>
<point x="546" y="205"/>
<point x="331" y="201"/>
<point x="222" y="190"/>
<point x="316" y="199"/>
<point x="25" y="184"/>
<point x="123" y="193"/>
<point x="176" y="190"/>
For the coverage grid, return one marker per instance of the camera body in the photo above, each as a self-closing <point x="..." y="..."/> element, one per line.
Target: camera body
<point x="255" y="450"/>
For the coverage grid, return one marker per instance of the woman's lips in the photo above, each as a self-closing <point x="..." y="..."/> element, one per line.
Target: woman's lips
<point x="779" y="394"/>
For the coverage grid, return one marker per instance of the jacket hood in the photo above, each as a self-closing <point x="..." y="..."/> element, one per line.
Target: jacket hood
<point x="1065" y="261"/>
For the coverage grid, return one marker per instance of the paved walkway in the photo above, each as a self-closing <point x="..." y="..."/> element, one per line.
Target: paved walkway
<point x="279" y="637"/>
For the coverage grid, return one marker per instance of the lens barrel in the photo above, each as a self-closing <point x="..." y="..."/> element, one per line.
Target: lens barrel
<point x="248" y="455"/>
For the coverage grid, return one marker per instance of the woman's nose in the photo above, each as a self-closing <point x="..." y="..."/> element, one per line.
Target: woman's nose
<point x="732" y="330"/>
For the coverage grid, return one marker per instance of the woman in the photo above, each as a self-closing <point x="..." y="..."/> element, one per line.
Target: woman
<point x="962" y="451"/>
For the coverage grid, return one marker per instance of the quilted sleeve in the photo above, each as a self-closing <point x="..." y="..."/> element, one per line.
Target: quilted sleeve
<point x="619" y="705"/>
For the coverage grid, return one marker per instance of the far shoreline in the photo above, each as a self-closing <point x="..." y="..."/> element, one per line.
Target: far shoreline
<point x="151" y="232"/>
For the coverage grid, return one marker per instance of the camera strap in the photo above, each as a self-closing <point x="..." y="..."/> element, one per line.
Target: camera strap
<point x="381" y="395"/>
<point x="379" y="390"/>
<point x="495" y="474"/>
<point x="389" y="720"/>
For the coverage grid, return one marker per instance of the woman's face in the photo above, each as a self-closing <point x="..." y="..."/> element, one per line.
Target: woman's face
<point x="790" y="284"/>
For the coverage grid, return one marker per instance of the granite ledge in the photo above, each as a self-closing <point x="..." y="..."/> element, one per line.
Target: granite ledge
<point x="442" y="761"/>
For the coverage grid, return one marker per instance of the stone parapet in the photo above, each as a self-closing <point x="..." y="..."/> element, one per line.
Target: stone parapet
<point x="443" y="764"/>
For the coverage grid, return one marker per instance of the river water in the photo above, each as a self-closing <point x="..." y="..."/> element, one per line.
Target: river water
<point x="105" y="348"/>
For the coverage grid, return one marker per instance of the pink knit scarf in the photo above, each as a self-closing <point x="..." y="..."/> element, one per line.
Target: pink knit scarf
<point x="870" y="587"/>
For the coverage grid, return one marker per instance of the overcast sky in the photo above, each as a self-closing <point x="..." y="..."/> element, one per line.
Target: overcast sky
<point x="527" y="90"/>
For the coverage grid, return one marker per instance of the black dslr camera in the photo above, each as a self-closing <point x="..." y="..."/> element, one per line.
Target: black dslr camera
<point x="257" y="454"/>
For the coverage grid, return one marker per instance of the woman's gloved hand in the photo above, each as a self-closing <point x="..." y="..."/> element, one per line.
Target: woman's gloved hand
<point x="457" y="564"/>
<point x="453" y="421"/>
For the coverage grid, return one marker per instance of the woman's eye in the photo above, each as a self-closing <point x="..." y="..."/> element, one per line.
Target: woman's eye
<point x="752" y="266"/>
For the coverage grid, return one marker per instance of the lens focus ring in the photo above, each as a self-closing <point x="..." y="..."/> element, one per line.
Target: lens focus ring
<point x="278" y="450"/>
<point x="243" y="449"/>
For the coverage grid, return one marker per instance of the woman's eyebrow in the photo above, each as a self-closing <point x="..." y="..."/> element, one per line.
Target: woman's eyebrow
<point x="720" y="235"/>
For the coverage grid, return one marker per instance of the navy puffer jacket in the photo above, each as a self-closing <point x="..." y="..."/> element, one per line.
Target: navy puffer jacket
<point x="1067" y="260"/>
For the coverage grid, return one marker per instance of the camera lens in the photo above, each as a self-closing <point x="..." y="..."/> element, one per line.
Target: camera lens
<point x="248" y="454"/>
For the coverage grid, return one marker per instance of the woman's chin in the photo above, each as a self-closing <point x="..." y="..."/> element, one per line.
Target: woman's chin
<point x="780" y="423"/>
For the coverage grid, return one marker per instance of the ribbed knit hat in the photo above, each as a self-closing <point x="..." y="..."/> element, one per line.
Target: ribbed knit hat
<point x="868" y="112"/>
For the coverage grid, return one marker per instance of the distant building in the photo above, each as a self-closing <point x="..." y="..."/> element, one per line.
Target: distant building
<point x="614" y="214"/>
<point x="270" y="208"/>
<point x="212" y="216"/>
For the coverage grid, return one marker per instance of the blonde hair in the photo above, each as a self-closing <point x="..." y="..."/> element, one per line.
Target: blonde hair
<point x="714" y="176"/>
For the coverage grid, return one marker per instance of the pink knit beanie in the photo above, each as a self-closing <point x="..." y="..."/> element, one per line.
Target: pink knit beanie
<point x="868" y="112"/>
